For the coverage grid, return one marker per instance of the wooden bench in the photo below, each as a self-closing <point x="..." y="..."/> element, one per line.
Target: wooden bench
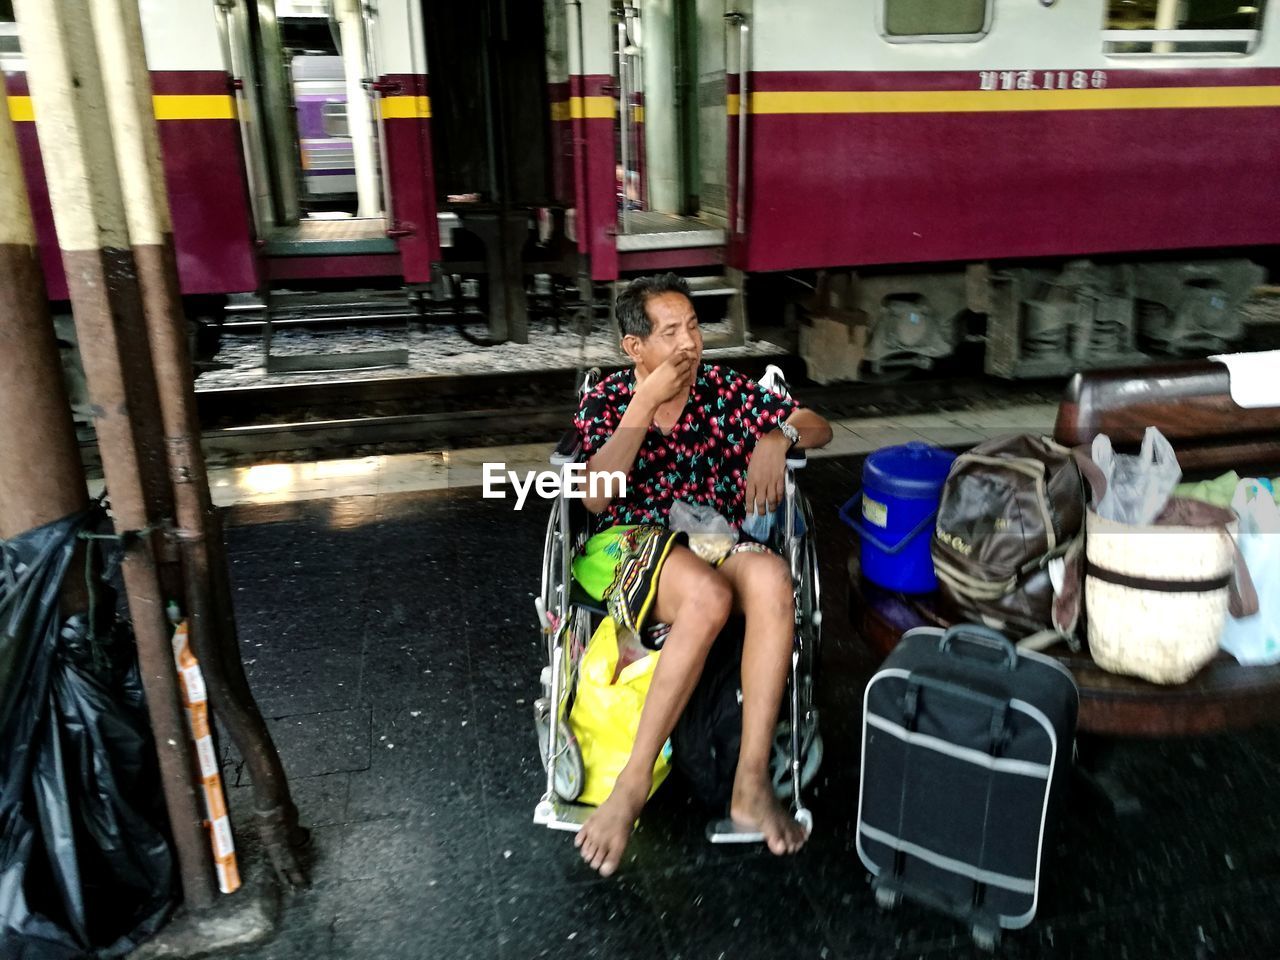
<point x="1191" y="404"/>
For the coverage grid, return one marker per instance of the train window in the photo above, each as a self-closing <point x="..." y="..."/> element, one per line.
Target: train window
<point x="9" y="48"/>
<point x="916" y="20"/>
<point x="1158" y="27"/>
<point x="334" y="118"/>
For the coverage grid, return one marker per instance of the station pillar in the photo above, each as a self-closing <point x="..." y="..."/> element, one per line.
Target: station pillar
<point x="88" y="212"/>
<point x="127" y="86"/>
<point x="41" y="478"/>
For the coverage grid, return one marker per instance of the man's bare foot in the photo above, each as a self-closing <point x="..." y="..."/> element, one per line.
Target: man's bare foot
<point x="604" y="836"/>
<point x="754" y="805"/>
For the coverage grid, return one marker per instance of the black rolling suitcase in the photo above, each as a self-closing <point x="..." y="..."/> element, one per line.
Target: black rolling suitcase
<point x="965" y="744"/>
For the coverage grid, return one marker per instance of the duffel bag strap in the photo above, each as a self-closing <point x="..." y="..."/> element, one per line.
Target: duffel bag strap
<point x="970" y="586"/>
<point x="1044" y="639"/>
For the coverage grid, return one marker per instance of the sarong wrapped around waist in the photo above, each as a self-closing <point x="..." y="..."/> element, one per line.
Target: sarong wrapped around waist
<point x="619" y="566"/>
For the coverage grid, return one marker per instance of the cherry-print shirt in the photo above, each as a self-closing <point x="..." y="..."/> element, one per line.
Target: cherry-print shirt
<point x="704" y="458"/>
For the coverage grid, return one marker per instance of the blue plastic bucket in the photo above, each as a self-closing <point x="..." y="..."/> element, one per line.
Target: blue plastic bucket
<point x="894" y="511"/>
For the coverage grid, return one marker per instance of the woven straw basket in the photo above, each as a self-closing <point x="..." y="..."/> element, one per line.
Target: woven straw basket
<point x="1157" y="596"/>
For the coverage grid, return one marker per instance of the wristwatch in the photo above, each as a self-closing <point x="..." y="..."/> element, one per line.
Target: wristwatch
<point x="790" y="432"/>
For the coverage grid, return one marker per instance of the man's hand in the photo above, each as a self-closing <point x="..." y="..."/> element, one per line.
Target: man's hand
<point x="619" y="452"/>
<point x="766" y="473"/>
<point x="671" y="376"/>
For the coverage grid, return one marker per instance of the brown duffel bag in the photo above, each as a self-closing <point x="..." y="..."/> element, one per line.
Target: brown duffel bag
<point x="1008" y="543"/>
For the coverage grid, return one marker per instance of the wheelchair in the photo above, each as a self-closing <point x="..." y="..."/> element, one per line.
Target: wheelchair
<point x="568" y="617"/>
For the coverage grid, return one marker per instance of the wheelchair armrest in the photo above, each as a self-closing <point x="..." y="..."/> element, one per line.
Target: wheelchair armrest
<point x="567" y="450"/>
<point x="796" y="459"/>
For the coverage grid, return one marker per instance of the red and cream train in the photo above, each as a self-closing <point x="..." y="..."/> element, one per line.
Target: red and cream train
<point x="1083" y="181"/>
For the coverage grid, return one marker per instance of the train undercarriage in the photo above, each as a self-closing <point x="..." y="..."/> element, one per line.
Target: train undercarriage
<point x="1031" y="319"/>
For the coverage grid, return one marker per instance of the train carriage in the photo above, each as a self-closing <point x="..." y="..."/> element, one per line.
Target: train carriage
<point x="1078" y="183"/>
<point x="1013" y="159"/>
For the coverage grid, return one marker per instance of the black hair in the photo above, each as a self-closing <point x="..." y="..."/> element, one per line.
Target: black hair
<point x="630" y="307"/>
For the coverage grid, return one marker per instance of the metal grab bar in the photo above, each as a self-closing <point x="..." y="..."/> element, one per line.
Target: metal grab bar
<point x="739" y="19"/>
<point x="624" y="114"/>
<point x="375" y="90"/>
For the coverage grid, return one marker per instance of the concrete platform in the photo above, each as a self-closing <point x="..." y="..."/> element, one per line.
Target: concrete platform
<point x="354" y="480"/>
<point x="389" y="635"/>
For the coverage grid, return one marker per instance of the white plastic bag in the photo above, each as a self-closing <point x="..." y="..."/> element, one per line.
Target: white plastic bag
<point x="766" y="527"/>
<point x="1137" y="487"/>
<point x="1255" y="640"/>
<point x="710" y="535"/>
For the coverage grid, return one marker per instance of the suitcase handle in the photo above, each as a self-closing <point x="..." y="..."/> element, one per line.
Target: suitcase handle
<point x="919" y="681"/>
<point x="982" y="636"/>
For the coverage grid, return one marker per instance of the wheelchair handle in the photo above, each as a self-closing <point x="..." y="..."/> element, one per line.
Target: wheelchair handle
<point x="568" y="449"/>
<point x="847" y="515"/>
<point x="589" y="380"/>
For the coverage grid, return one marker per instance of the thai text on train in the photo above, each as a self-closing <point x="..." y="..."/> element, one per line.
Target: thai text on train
<point x="571" y="479"/>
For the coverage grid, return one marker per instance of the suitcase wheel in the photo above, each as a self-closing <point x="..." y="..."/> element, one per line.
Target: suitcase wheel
<point x="887" y="899"/>
<point x="985" y="938"/>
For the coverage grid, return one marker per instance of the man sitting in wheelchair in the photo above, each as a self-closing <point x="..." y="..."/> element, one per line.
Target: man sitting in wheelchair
<point x="680" y="429"/>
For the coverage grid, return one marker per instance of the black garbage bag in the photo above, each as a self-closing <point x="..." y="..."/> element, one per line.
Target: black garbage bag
<point x="86" y="862"/>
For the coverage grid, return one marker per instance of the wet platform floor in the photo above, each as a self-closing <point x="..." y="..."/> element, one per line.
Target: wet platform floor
<point x="390" y="637"/>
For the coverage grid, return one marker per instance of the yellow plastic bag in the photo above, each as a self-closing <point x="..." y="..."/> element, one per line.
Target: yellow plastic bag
<point x="606" y="714"/>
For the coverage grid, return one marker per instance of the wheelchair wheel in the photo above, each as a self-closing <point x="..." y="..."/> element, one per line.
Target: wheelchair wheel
<point x="569" y="771"/>
<point x="887" y="899"/>
<point x="553" y="590"/>
<point x="780" y="757"/>
<point x="811" y="591"/>
<point x="985" y="938"/>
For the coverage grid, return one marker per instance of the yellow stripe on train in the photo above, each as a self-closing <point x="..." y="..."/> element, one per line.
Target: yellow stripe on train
<point x="167" y="107"/>
<point x="194" y="107"/>
<point x="994" y="101"/>
<point x="20" y="110"/>
<point x="584" y="108"/>
<point x="222" y="107"/>
<point x="406" y="108"/>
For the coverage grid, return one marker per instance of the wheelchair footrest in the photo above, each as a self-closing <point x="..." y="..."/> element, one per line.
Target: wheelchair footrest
<point x="558" y="815"/>
<point x="727" y="831"/>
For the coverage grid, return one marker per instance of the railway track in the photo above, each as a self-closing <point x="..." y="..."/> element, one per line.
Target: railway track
<point x="299" y="422"/>
<point x="380" y="433"/>
<point x="381" y="414"/>
<point x="358" y="416"/>
<point x="547" y="422"/>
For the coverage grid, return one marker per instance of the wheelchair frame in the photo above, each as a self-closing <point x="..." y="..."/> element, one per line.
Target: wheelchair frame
<point x="567" y="630"/>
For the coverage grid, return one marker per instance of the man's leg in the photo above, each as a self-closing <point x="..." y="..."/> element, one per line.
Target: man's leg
<point x="695" y="600"/>
<point x="762" y="592"/>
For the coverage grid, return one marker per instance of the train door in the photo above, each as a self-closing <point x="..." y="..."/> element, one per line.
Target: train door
<point x="492" y="157"/>
<point x="310" y="123"/>
<point x="673" y="63"/>
<point x="672" y="142"/>
<point x="711" y="93"/>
